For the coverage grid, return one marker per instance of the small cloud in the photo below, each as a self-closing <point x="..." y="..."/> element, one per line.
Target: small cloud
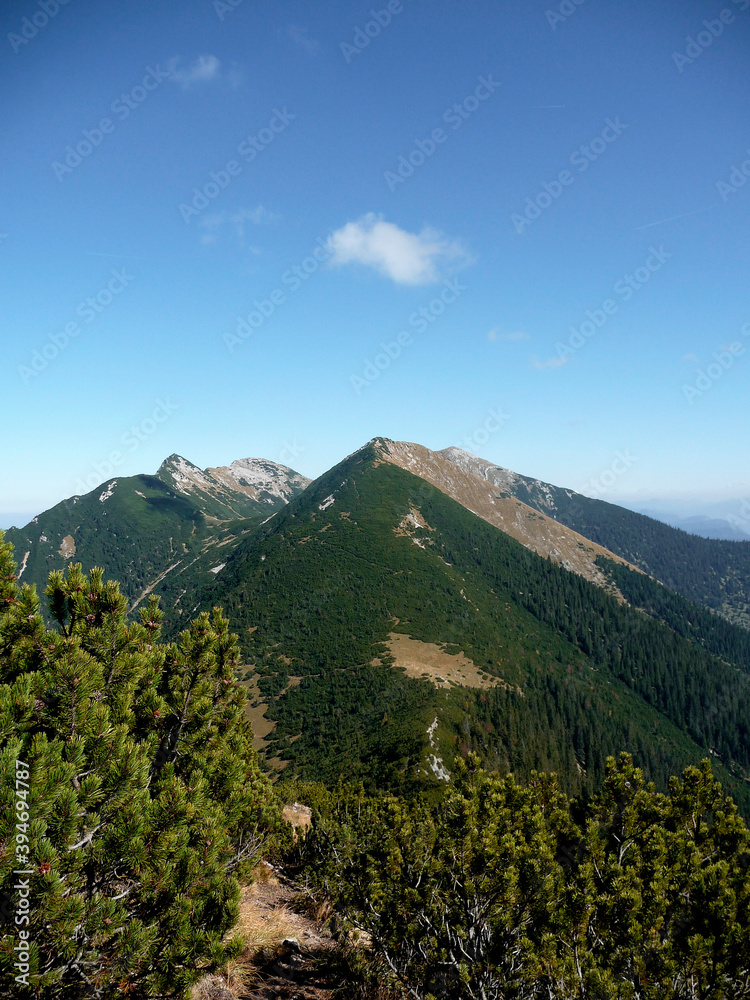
<point x="550" y="362"/>
<point x="691" y="357"/>
<point x="301" y="37"/>
<point x="237" y="221"/>
<point x="406" y="258"/>
<point x="516" y="335"/>
<point x="203" y="69"/>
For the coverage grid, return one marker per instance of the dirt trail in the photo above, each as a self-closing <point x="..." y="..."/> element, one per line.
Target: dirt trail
<point x="297" y="973"/>
<point x="286" y="957"/>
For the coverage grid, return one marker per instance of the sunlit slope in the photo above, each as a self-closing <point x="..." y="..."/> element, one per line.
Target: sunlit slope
<point x="568" y="673"/>
<point x="140" y="529"/>
<point x="711" y="572"/>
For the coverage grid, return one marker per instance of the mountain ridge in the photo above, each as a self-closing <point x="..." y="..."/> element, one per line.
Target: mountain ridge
<point x="711" y="572"/>
<point x="140" y="528"/>
<point x="385" y="627"/>
<point x="537" y="531"/>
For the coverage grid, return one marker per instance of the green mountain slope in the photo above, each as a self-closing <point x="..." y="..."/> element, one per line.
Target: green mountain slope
<point x="140" y="529"/>
<point x="708" y="571"/>
<point x="536" y="667"/>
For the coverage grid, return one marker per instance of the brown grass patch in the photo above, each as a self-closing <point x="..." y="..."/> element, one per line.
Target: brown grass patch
<point x="261" y="726"/>
<point x="538" y="532"/>
<point x="425" y="660"/>
<point x="68" y="547"/>
<point x="265" y="920"/>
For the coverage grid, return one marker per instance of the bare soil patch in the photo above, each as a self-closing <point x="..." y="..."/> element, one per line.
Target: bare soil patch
<point x="425" y="660"/>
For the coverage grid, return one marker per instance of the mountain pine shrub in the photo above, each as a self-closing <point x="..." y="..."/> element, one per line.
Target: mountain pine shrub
<point x="145" y="803"/>
<point x="504" y="891"/>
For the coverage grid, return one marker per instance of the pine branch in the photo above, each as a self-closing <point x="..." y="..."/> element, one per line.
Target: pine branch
<point x="87" y="839"/>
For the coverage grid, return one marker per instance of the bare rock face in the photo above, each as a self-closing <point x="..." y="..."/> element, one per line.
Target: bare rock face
<point x="254" y="479"/>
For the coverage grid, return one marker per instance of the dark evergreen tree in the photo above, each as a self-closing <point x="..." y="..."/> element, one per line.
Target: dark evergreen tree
<point x="509" y="891"/>
<point x="145" y="803"/>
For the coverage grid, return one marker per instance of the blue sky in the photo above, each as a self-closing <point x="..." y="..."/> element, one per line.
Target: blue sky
<point x="280" y="229"/>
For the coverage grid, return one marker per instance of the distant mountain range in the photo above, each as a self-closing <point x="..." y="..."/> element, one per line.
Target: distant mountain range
<point x="409" y="605"/>
<point x="730" y="520"/>
<point x="140" y="529"/>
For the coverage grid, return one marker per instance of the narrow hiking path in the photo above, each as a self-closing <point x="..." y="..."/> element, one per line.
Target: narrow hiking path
<point x="288" y="956"/>
<point x="297" y="971"/>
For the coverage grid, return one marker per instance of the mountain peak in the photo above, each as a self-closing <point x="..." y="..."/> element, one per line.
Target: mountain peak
<point x="229" y="489"/>
<point x="258" y="477"/>
<point x="181" y="474"/>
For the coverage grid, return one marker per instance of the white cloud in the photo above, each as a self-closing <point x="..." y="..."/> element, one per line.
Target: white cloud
<point x="237" y="221"/>
<point x="550" y="362"/>
<point x="516" y="335"/>
<point x="301" y="37"/>
<point x="203" y="69"/>
<point x="406" y="258"/>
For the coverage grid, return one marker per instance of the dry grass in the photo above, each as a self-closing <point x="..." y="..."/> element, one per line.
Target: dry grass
<point x="445" y="670"/>
<point x="261" y="726"/>
<point x="214" y="988"/>
<point x="263" y="926"/>
<point x="536" y="531"/>
<point x="315" y="968"/>
<point x="266" y="920"/>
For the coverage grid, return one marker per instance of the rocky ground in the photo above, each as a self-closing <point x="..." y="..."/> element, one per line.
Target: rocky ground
<point x="290" y="954"/>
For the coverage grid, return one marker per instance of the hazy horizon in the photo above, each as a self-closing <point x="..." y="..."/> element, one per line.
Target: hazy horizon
<point x="666" y="507"/>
